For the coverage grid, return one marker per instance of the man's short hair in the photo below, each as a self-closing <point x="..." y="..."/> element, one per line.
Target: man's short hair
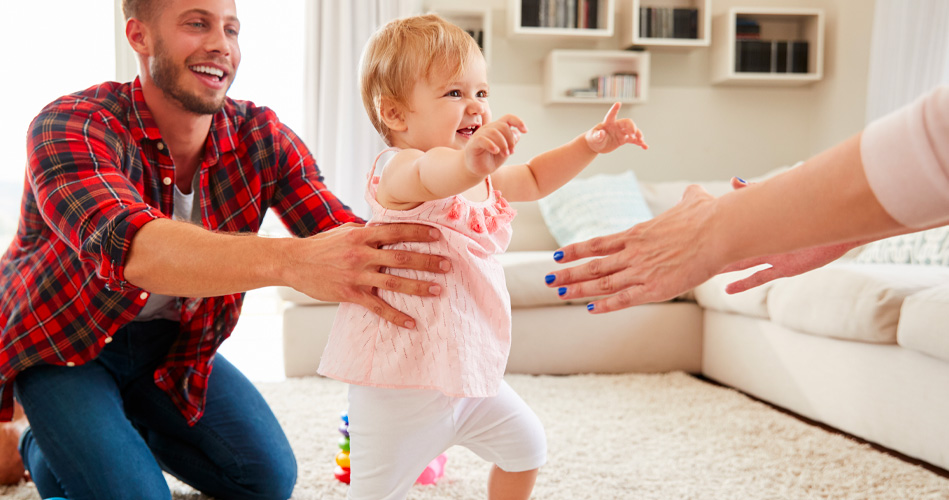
<point x="144" y="10"/>
<point x="401" y="53"/>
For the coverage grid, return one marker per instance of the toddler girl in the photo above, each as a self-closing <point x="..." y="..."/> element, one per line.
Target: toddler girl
<point x="416" y="392"/>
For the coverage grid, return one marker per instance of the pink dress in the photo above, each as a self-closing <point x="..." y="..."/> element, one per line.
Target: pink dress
<point x="463" y="336"/>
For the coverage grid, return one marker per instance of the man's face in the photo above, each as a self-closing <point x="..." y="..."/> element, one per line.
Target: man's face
<point x="195" y="53"/>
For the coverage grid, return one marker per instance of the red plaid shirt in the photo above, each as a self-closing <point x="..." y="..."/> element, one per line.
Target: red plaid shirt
<point x="98" y="171"/>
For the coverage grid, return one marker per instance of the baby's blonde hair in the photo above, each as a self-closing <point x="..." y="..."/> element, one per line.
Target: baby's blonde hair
<point x="401" y="53"/>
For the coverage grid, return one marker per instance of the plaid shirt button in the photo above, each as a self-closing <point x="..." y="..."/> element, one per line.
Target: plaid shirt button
<point x="167" y="181"/>
<point x="107" y="340"/>
<point x="143" y="295"/>
<point x="160" y="146"/>
<point x="70" y="364"/>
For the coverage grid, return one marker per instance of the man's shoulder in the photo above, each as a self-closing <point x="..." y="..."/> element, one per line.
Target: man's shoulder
<point x="111" y="98"/>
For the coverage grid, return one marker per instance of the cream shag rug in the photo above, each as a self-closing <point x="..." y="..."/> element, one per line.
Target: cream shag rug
<point x="631" y="436"/>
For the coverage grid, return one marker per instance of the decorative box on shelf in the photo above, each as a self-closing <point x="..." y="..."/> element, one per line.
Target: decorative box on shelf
<point x="561" y="18"/>
<point x="596" y="76"/>
<point x="666" y="24"/>
<point x="768" y="46"/>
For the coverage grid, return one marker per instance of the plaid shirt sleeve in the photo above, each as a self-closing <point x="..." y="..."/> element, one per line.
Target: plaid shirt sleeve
<point x="302" y="201"/>
<point x="76" y="163"/>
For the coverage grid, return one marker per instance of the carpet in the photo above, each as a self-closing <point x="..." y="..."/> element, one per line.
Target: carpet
<point x="630" y="436"/>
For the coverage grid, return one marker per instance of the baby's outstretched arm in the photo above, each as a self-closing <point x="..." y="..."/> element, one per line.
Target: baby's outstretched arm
<point x="547" y="171"/>
<point x="414" y="176"/>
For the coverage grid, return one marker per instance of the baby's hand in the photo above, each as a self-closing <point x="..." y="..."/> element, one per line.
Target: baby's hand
<point x="613" y="133"/>
<point x="492" y="144"/>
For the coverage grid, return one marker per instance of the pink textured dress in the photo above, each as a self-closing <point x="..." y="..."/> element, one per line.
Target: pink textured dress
<point x="463" y="336"/>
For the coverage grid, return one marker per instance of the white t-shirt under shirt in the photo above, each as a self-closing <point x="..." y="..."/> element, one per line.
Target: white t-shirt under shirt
<point x="906" y="159"/>
<point x="164" y="306"/>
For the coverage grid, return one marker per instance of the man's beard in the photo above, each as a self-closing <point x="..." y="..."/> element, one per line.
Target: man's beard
<point x="165" y="74"/>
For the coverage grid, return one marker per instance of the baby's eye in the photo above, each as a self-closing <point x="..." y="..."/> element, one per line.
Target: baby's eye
<point x="453" y="93"/>
<point x="483" y="94"/>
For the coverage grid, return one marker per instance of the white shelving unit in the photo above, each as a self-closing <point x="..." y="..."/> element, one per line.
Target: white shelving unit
<point x="518" y="27"/>
<point x="569" y="69"/>
<point x="473" y="19"/>
<point x="630" y="18"/>
<point x="776" y="24"/>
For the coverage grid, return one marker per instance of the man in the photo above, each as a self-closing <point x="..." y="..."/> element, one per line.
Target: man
<point x="127" y="272"/>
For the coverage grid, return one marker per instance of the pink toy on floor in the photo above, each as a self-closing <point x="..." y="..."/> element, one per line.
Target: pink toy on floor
<point x="434" y="471"/>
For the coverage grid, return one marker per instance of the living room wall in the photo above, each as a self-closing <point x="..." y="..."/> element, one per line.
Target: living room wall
<point x="696" y="130"/>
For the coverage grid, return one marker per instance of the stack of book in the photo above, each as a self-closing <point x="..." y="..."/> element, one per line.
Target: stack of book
<point x="560" y="13"/>
<point x="754" y="55"/>
<point x="657" y="22"/>
<point x="615" y="86"/>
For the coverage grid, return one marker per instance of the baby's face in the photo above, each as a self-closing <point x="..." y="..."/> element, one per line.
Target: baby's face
<point x="445" y="113"/>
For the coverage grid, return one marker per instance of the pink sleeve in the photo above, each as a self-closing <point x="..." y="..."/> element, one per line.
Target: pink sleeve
<point x="906" y="159"/>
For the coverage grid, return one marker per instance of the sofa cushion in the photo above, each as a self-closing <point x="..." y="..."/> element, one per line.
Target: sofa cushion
<point x="849" y="300"/>
<point x="524" y="273"/>
<point x="594" y="206"/>
<point x="930" y="247"/>
<point x="711" y="295"/>
<point x="923" y="321"/>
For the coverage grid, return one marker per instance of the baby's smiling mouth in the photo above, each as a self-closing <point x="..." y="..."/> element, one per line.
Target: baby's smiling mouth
<point x="468" y="131"/>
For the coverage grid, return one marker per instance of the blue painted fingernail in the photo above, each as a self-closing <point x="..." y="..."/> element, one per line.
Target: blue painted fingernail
<point x="562" y="290"/>
<point x="558" y="255"/>
<point x="590" y="307"/>
<point x="549" y="278"/>
<point x="741" y="180"/>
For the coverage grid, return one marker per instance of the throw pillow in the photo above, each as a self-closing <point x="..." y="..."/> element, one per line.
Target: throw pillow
<point x="594" y="206"/>
<point x="930" y="247"/>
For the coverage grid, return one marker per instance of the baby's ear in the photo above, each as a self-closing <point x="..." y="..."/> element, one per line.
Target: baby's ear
<point x="392" y="114"/>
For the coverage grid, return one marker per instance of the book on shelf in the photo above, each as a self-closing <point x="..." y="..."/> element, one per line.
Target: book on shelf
<point x="614" y="86"/>
<point x="668" y="22"/>
<point x="580" y="14"/>
<point x="771" y="56"/>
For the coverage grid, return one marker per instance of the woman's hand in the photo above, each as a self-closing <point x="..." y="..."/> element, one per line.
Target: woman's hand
<point x="612" y="133"/>
<point x="654" y="261"/>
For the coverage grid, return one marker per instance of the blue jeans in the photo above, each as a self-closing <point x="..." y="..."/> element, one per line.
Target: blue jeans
<point x="104" y="430"/>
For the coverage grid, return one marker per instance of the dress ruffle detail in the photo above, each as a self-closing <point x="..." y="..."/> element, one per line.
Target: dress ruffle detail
<point x="484" y="219"/>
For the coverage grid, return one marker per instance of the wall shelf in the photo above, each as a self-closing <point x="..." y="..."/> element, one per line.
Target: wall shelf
<point x="520" y="26"/>
<point x="632" y="22"/>
<point x="471" y="19"/>
<point x="776" y="24"/>
<point x="572" y="69"/>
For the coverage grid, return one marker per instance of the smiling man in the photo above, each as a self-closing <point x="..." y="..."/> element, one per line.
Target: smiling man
<point x="135" y="245"/>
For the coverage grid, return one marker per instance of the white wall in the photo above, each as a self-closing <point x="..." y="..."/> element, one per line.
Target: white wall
<point x="695" y="130"/>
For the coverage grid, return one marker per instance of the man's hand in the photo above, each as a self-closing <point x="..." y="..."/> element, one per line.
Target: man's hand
<point x="611" y="133"/>
<point x="491" y="144"/>
<point x="346" y="264"/>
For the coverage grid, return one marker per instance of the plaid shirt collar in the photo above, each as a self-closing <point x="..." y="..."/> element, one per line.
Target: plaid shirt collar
<point x="221" y="139"/>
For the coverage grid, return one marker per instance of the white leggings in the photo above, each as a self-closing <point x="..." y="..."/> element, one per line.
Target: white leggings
<point x="395" y="433"/>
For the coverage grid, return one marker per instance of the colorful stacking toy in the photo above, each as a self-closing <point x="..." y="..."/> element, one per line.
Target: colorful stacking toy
<point x="432" y="473"/>
<point x="342" y="458"/>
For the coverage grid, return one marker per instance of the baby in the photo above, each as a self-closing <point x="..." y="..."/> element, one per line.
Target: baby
<point x="416" y="392"/>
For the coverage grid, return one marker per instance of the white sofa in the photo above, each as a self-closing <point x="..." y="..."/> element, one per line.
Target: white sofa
<point x="861" y="347"/>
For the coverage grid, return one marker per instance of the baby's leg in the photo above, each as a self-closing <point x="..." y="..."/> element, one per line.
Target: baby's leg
<point x="393" y="435"/>
<point x="505" y="431"/>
